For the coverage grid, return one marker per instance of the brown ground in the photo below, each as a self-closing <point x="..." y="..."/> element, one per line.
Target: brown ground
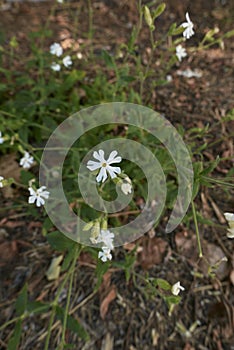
<point x="134" y="320"/>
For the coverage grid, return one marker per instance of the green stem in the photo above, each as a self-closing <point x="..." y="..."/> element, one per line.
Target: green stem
<point x="55" y="302"/>
<point x="197" y="230"/>
<point x="76" y="254"/>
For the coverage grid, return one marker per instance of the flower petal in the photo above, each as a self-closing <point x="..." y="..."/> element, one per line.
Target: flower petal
<point x="102" y="175"/>
<point x="92" y="165"/>
<point x="112" y="170"/>
<point x="99" y="155"/>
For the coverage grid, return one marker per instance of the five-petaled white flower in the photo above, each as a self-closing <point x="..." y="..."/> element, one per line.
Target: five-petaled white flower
<point x="105" y="254"/>
<point x="56" y="49"/>
<point x="176" y="288"/>
<point x="126" y="186"/>
<point x="67" y="61"/>
<point x="106" y="237"/>
<point x="1" y="138"/>
<point x="26" y="161"/>
<point x="104" y="165"/>
<point x="55" y="67"/>
<point x="1" y="181"/>
<point x="230" y="219"/>
<point x="180" y="52"/>
<point x="38" y="196"/>
<point x="188" y="31"/>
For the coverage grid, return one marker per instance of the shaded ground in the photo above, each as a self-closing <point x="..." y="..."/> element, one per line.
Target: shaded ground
<point x="134" y="319"/>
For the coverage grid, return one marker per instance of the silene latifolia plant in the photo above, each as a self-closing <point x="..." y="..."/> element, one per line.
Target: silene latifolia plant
<point x="36" y="108"/>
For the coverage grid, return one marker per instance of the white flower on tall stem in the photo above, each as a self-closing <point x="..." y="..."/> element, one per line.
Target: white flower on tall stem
<point x="230" y="219"/>
<point x="176" y="288"/>
<point x="55" y="67"/>
<point x="26" y="161"/>
<point x="67" y="61"/>
<point x="105" y="254"/>
<point x="104" y="165"/>
<point x="1" y="138"/>
<point x="180" y="52"/>
<point x="38" y="196"/>
<point x="56" y="49"/>
<point x="1" y="181"/>
<point x="188" y="31"/>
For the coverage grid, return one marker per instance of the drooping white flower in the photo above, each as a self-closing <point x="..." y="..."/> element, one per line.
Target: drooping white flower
<point x="1" y="138"/>
<point x="180" y="52"/>
<point x="188" y="31"/>
<point x="67" y="61"/>
<point x="1" y="181"/>
<point x="106" y="237"/>
<point x="38" y="196"/>
<point x="230" y="219"/>
<point x="55" y="67"/>
<point x="104" y="165"/>
<point x="26" y="161"/>
<point x="176" y="288"/>
<point x="105" y="254"/>
<point x="126" y="186"/>
<point x="56" y="49"/>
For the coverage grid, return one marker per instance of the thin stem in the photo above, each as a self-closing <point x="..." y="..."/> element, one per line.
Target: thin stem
<point x="55" y="302"/>
<point x="197" y="230"/>
<point x="76" y="254"/>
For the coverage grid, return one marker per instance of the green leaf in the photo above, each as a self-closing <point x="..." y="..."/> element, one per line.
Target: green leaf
<point x="72" y="324"/>
<point x="148" y="17"/>
<point x="159" y="10"/>
<point x="109" y="60"/>
<point x="172" y="300"/>
<point x="15" y="339"/>
<point x="211" y="167"/>
<point x="68" y="259"/>
<point x="59" y="241"/>
<point x="37" y="307"/>
<point x="21" y="301"/>
<point x="163" y="284"/>
<point x="101" y="269"/>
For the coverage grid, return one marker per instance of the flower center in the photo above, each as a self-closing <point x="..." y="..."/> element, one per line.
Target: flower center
<point x="104" y="165"/>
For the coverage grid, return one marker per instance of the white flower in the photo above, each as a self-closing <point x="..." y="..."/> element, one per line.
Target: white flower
<point x="180" y="52"/>
<point x="38" y="196"/>
<point x="106" y="237"/>
<point x="188" y="73"/>
<point x="55" y="66"/>
<point x="105" y="254"/>
<point x="67" y="61"/>
<point x="176" y="288"/>
<point x="1" y="181"/>
<point x="230" y="219"/>
<point x="104" y="165"/>
<point x="1" y="138"/>
<point x="126" y="186"/>
<point x="79" y="55"/>
<point x="56" y="49"/>
<point x="26" y="161"/>
<point x="60" y="1"/>
<point x="188" y="32"/>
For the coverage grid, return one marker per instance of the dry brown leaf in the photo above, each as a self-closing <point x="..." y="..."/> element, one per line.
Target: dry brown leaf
<point x="153" y="251"/>
<point x="108" y="342"/>
<point x="107" y="294"/>
<point x="8" y="251"/>
<point x="9" y="167"/>
<point x="106" y="302"/>
<point x="187" y="246"/>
